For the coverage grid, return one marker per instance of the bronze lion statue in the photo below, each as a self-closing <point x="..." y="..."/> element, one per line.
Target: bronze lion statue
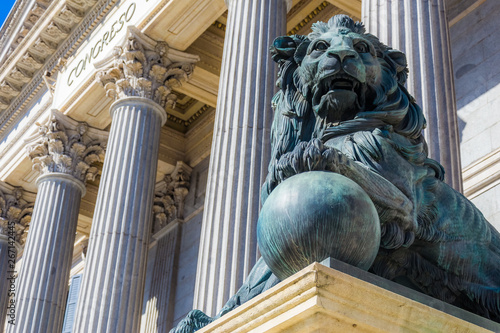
<point x="342" y="107"/>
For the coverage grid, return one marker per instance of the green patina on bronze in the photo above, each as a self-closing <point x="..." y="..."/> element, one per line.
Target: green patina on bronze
<point x="342" y="108"/>
<point x="315" y="215"/>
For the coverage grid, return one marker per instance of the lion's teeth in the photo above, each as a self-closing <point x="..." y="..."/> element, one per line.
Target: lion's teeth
<point x="342" y="84"/>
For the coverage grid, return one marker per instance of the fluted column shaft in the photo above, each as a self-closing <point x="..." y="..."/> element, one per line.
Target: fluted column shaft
<point x="240" y="150"/>
<point x="4" y="274"/>
<point x="43" y="278"/>
<point x="112" y="287"/>
<point x="15" y="215"/>
<point x="159" y="309"/>
<point x="420" y="29"/>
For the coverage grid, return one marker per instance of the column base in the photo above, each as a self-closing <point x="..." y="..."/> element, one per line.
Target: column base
<point x="345" y="299"/>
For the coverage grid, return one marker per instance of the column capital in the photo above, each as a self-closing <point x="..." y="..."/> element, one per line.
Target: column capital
<point x="143" y="67"/>
<point x="169" y="196"/>
<point x="15" y="213"/>
<point x="66" y="146"/>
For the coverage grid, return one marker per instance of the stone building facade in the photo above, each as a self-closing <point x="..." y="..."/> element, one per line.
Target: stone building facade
<point x="134" y="138"/>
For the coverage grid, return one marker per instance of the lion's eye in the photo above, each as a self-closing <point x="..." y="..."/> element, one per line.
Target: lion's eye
<point x="361" y="47"/>
<point x="320" y="46"/>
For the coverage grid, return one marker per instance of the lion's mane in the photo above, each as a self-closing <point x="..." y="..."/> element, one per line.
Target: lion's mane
<point x="389" y="104"/>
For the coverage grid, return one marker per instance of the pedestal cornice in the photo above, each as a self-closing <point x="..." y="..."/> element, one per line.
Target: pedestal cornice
<point x="345" y="299"/>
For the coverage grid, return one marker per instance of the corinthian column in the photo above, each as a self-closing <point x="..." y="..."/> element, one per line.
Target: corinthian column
<point x="240" y="150"/>
<point x="420" y="29"/>
<point x="15" y="215"/>
<point x="63" y="153"/>
<point x="168" y="211"/>
<point x="140" y="77"/>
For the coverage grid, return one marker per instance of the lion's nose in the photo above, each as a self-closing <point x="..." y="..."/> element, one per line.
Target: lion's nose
<point x="342" y="54"/>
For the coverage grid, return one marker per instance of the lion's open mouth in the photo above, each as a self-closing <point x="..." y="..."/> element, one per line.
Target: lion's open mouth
<point x="340" y="82"/>
<point x="338" y="97"/>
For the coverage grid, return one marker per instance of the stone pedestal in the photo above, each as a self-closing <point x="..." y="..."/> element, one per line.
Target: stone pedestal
<point x="345" y="299"/>
<point x="240" y="150"/>
<point x="420" y="29"/>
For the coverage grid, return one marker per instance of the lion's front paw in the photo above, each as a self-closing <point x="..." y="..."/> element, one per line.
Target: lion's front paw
<point x="309" y="156"/>
<point x="194" y="321"/>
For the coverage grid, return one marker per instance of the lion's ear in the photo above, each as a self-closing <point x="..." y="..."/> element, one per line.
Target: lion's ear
<point x="398" y="60"/>
<point x="301" y="51"/>
<point x="283" y="48"/>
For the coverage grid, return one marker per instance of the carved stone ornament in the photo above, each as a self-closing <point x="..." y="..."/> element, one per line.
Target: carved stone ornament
<point x="67" y="146"/>
<point x="15" y="213"/>
<point x="143" y="67"/>
<point x="169" y="196"/>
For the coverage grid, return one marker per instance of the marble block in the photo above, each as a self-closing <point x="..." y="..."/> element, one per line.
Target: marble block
<point x="345" y="299"/>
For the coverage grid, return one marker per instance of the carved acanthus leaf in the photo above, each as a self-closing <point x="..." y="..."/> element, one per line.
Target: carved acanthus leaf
<point x="68" y="147"/>
<point x="15" y="213"/>
<point x="146" y="68"/>
<point x="170" y="195"/>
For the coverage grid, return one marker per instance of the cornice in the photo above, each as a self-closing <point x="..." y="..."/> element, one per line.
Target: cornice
<point x="7" y="30"/>
<point x="46" y="26"/>
<point x="14" y="107"/>
<point x="221" y="26"/>
<point x="186" y="123"/>
<point x="308" y="18"/>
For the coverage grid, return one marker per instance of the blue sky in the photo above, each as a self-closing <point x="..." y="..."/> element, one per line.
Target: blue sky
<point x="5" y="7"/>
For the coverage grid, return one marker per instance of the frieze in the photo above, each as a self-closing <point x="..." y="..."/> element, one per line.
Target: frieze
<point x="105" y="38"/>
<point x="113" y="32"/>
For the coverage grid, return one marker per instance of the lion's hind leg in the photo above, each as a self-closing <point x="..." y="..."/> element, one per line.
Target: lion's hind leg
<point x="259" y="280"/>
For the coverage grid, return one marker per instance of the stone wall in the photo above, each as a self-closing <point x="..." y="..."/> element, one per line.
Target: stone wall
<point x="476" y="55"/>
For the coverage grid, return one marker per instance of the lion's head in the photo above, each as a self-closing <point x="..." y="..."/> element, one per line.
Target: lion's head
<point x="338" y="80"/>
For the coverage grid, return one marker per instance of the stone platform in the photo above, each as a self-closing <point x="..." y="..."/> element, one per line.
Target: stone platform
<point x="336" y="297"/>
